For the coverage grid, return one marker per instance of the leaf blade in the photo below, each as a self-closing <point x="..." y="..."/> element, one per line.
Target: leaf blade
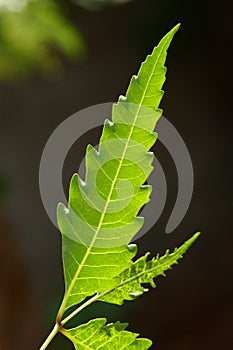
<point x="96" y="335"/>
<point x="143" y="271"/>
<point x="102" y="212"/>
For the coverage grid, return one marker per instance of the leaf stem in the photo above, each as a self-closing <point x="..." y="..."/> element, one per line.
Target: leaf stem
<point x="55" y="330"/>
<point x="80" y="308"/>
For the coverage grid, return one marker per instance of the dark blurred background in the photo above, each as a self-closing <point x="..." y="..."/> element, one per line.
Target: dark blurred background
<point x="57" y="57"/>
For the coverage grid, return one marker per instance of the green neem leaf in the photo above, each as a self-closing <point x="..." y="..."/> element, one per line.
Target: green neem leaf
<point x="96" y="335"/>
<point x="143" y="271"/>
<point x="101" y="218"/>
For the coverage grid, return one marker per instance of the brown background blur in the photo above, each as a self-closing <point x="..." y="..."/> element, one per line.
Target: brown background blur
<point x="192" y="307"/>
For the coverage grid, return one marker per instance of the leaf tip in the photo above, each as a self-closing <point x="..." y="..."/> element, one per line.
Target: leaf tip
<point x="172" y="32"/>
<point x="177" y="26"/>
<point x="194" y="237"/>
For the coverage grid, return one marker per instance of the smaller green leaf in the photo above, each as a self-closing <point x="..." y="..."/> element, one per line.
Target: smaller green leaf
<point x="96" y="335"/>
<point x="143" y="271"/>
